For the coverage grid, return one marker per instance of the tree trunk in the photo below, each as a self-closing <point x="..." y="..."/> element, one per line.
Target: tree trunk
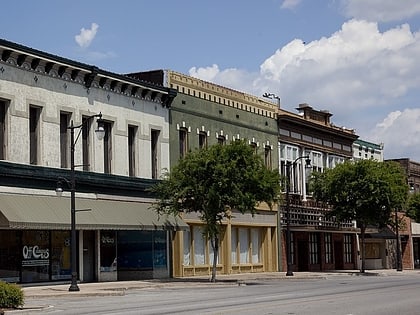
<point x="363" y="249"/>
<point x="215" y="244"/>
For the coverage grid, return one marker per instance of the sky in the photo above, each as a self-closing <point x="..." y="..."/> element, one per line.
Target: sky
<point x="357" y="59"/>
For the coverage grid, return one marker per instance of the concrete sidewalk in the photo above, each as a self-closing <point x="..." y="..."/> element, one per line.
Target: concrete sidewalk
<point x="120" y="287"/>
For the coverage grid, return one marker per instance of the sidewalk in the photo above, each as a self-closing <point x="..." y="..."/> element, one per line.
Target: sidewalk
<point x="120" y="287"/>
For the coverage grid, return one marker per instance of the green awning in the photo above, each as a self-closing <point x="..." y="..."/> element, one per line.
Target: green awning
<point x="53" y="213"/>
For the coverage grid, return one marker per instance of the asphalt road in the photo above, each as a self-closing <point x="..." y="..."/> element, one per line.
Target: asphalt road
<point x="357" y="295"/>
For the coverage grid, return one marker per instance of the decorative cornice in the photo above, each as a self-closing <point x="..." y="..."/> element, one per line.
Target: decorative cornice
<point x="90" y="76"/>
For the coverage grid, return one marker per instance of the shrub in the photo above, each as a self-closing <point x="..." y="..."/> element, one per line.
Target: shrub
<point x="11" y="295"/>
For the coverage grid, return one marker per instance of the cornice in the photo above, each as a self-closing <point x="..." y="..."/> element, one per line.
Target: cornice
<point x="89" y="76"/>
<point x="305" y="123"/>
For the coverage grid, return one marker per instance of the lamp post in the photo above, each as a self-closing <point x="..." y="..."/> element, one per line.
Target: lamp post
<point x="100" y="133"/>
<point x="289" y="164"/>
<point x="397" y="236"/>
<point x="272" y="96"/>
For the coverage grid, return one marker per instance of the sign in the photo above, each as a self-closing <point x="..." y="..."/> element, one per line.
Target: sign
<point x="35" y="256"/>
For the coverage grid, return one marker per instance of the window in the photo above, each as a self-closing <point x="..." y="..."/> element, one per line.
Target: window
<point x="234" y="245"/>
<point x="34" y="115"/>
<point x="317" y="161"/>
<point x="108" y="251"/>
<point x="334" y="160"/>
<point x="187" y="248"/>
<point x="155" y="152"/>
<point x="328" y="248"/>
<point x="107" y="147"/>
<point x="313" y="248"/>
<point x="199" y="246"/>
<point x="289" y="154"/>
<point x="132" y="131"/>
<point x="267" y="157"/>
<point x="254" y="147"/>
<point x="3" y="111"/>
<point x="256" y="245"/>
<point x="64" y="139"/>
<point x="295" y="135"/>
<point x="243" y="246"/>
<point x="202" y="140"/>
<point x="348" y="248"/>
<point x="284" y="132"/>
<point x="183" y="142"/>
<point x="86" y="143"/>
<point x="221" y="139"/>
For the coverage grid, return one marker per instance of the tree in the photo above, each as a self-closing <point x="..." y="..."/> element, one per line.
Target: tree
<point x="365" y="191"/>
<point x="413" y="207"/>
<point x="212" y="182"/>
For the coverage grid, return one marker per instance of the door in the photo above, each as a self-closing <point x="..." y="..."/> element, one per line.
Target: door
<point x="89" y="255"/>
<point x="303" y="255"/>
<point x="338" y="255"/>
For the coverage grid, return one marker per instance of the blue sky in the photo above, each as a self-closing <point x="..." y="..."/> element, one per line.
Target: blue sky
<point x="359" y="59"/>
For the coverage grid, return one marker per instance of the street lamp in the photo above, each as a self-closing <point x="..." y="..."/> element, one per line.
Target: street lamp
<point x="397" y="236"/>
<point x="100" y="133"/>
<point x="272" y="96"/>
<point x="288" y="233"/>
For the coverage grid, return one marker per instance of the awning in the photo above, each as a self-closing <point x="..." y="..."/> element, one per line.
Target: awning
<point x="384" y="233"/>
<point x="53" y="213"/>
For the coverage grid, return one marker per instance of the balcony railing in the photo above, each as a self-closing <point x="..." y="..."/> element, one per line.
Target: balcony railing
<point x="312" y="214"/>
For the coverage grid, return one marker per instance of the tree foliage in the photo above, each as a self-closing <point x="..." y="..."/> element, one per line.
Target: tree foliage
<point x="215" y="180"/>
<point x="365" y="191"/>
<point x="413" y="207"/>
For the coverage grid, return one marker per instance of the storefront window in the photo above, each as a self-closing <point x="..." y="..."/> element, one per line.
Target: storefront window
<point x="199" y="246"/>
<point x="256" y="244"/>
<point x="234" y="245"/>
<point x="135" y="250"/>
<point x="159" y="249"/>
<point x="243" y="245"/>
<point x="187" y="250"/>
<point x="60" y="255"/>
<point x="35" y="256"/>
<point x="108" y="250"/>
<point x="10" y="254"/>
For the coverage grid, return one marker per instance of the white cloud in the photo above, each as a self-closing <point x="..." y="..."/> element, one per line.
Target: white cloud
<point x="86" y="36"/>
<point x="290" y="4"/>
<point x="401" y="129"/>
<point x="381" y="10"/>
<point x="356" y="73"/>
<point x="206" y="74"/>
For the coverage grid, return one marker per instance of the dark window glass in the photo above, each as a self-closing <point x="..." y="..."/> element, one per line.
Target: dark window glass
<point x="107" y="148"/>
<point x="3" y="110"/>
<point x="155" y="152"/>
<point x="10" y="256"/>
<point x="34" y="114"/>
<point x="64" y="139"/>
<point x="132" y="150"/>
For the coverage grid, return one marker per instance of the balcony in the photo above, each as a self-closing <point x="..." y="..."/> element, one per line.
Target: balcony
<point x="312" y="214"/>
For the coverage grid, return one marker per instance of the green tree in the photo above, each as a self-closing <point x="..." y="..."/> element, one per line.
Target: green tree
<point x="413" y="207"/>
<point x="365" y="191"/>
<point x="214" y="181"/>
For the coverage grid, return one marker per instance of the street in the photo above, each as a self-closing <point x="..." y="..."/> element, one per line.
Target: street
<point x="341" y="295"/>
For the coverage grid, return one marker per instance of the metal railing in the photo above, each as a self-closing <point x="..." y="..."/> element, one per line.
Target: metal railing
<point x="311" y="213"/>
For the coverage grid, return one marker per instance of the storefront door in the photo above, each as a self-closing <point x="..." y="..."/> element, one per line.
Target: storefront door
<point x="89" y="255"/>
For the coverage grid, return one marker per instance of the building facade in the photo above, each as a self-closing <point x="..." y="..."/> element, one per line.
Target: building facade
<point x="363" y="150"/>
<point x="118" y="236"/>
<point x="317" y="241"/>
<point x="204" y="114"/>
<point x="410" y="241"/>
